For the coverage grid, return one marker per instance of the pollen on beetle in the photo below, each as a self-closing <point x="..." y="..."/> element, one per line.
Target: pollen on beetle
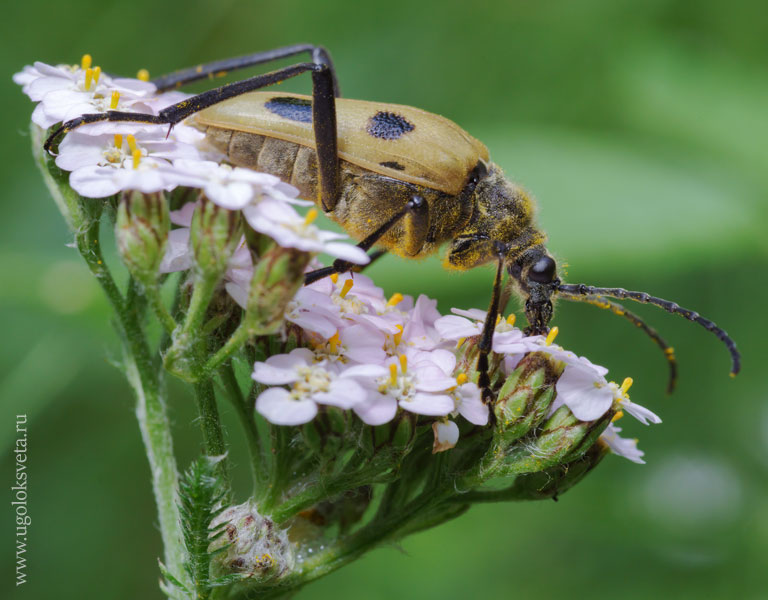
<point x="142" y="75"/>
<point x="551" y="336"/>
<point x="345" y="289"/>
<point x="85" y="62"/>
<point x="115" y="99"/>
<point x="396" y="298"/>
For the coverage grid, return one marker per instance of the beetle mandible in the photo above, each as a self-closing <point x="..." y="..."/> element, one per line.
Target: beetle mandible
<point x="393" y="176"/>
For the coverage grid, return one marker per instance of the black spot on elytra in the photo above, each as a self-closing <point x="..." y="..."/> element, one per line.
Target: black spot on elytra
<point x="388" y="126"/>
<point x="295" y="109"/>
<point x="392" y="164"/>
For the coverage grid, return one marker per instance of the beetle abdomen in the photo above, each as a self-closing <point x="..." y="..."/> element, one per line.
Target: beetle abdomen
<point x="293" y="163"/>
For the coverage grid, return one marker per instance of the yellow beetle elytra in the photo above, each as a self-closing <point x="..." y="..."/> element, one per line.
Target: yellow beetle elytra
<point x="393" y="176"/>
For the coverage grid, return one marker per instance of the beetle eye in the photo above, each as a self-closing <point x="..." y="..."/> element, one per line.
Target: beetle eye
<point x="543" y="271"/>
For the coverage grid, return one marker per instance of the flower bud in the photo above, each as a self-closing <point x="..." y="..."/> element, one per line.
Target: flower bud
<point x="524" y="399"/>
<point x="557" y="480"/>
<point x="561" y="439"/>
<point x="213" y="236"/>
<point x="251" y="544"/>
<point x="276" y="278"/>
<point x="141" y="230"/>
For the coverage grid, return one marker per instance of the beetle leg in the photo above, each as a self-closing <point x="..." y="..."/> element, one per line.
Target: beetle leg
<point x="486" y="338"/>
<point x="416" y="212"/>
<point x="323" y="117"/>
<point x="220" y="68"/>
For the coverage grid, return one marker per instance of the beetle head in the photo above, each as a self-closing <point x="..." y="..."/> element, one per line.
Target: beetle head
<point x="535" y="272"/>
<point x="501" y="226"/>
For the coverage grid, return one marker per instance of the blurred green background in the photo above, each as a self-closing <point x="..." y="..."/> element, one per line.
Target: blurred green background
<point x="640" y="127"/>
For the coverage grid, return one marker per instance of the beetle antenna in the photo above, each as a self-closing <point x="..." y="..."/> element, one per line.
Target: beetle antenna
<point x="618" y="309"/>
<point x="578" y="290"/>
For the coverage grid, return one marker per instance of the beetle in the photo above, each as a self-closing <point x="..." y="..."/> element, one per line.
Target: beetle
<point x="394" y="177"/>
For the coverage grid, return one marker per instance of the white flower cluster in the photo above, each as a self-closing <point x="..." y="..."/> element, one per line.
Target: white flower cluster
<point x="372" y="355"/>
<point x="377" y="356"/>
<point x="105" y="158"/>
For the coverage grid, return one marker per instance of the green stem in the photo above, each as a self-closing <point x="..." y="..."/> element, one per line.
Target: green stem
<point x="244" y="412"/>
<point x="161" y="311"/>
<point x="223" y="354"/>
<point x="213" y="438"/>
<point x="181" y="358"/>
<point x="142" y="372"/>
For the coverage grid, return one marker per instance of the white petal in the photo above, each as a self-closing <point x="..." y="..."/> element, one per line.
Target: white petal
<point x="587" y="395"/>
<point x="376" y="409"/>
<point x="347" y="252"/>
<point x="277" y="406"/>
<point x="640" y="413"/>
<point x="344" y="393"/>
<point x="436" y="405"/>
<point x="471" y="406"/>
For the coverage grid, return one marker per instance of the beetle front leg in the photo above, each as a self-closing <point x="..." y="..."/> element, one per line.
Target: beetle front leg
<point x="486" y="338"/>
<point x="416" y="213"/>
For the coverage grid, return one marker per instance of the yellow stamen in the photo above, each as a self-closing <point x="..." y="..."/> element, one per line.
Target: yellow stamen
<point x="626" y="384"/>
<point x="136" y="158"/>
<point x="142" y="75"/>
<point x="334" y="342"/>
<point x="311" y="216"/>
<point x="669" y="351"/>
<point x="88" y="78"/>
<point x="393" y="374"/>
<point x="399" y="335"/>
<point x="96" y="75"/>
<point x="460" y="342"/>
<point x="396" y="298"/>
<point x="85" y="62"/>
<point x="461" y="378"/>
<point x="403" y="362"/>
<point x="551" y="336"/>
<point x="115" y="99"/>
<point x="619" y="414"/>
<point x="345" y="289"/>
<point x="335" y="277"/>
<point x="131" y="142"/>
<point x="118" y="141"/>
<point x="498" y="318"/>
<point x="511" y="319"/>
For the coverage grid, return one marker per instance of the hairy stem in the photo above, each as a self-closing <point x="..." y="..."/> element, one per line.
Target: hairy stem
<point x="244" y="412"/>
<point x="142" y="371"/>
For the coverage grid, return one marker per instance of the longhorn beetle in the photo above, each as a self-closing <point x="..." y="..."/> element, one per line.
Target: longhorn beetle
<point x="393" y="176"/>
